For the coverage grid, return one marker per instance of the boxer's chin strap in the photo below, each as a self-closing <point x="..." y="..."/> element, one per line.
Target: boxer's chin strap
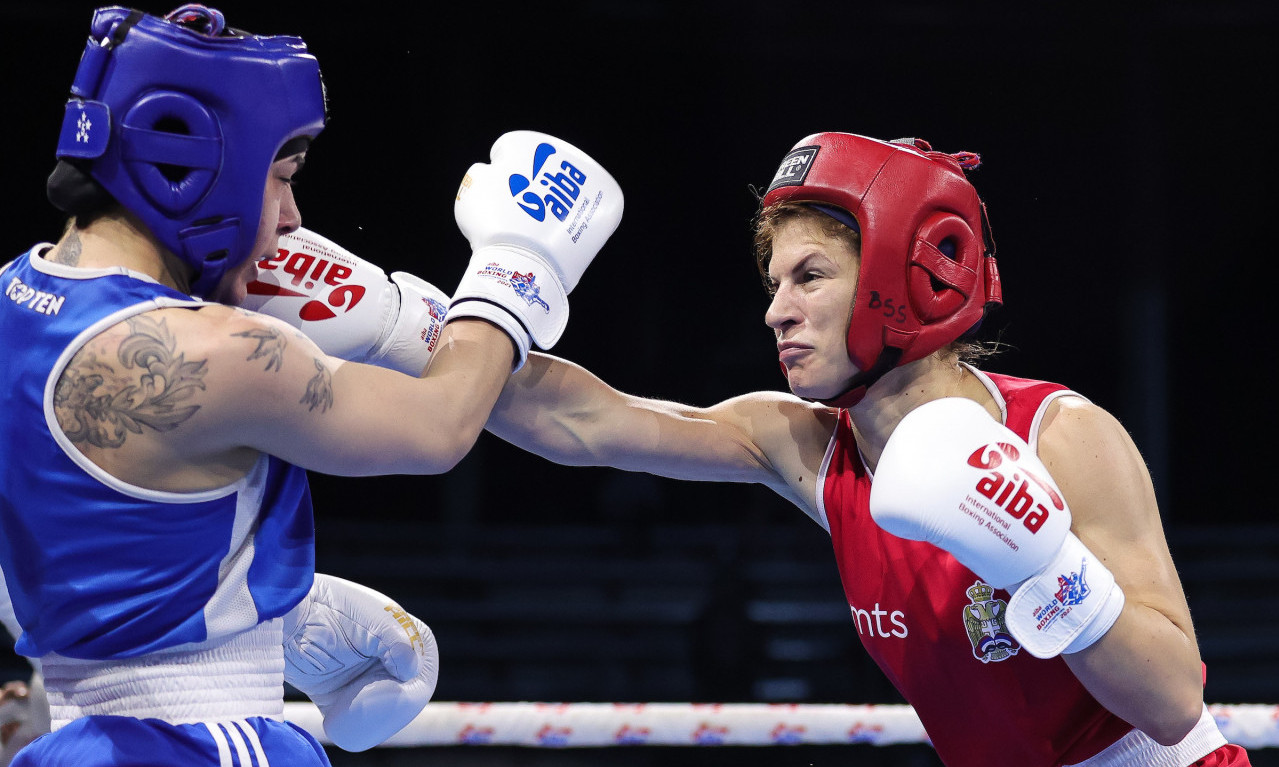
<point x="860" y="383"/>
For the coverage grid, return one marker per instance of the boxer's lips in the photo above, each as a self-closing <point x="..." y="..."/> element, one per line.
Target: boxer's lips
<point x="789" y="352"/>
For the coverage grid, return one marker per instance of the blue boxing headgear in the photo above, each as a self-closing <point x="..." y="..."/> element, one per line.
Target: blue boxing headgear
<point x="180" y="119"/>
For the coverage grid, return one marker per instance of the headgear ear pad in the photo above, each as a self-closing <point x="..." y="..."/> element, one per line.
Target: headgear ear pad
<point x="173" y="170"/>
<point x="940" y="283"/>
<point x="927" y="270"/>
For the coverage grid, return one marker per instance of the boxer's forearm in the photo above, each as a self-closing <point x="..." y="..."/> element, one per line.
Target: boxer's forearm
<point x="1146" y="671"/>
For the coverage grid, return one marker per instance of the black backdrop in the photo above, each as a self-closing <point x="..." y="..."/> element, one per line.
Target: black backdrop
<point x="1127" y="150"/>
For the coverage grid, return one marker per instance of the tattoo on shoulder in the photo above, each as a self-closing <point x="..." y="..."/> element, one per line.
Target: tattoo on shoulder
<point x="271" y="343"/>
<point x="319" y="390"/>
<point x="99" y="404"/>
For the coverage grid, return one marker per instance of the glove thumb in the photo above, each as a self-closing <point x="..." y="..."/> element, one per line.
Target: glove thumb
<point x="390" y="635"/>
<point x="403" y="654"/>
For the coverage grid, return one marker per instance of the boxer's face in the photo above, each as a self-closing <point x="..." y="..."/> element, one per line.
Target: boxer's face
<point x="814" y="277"/>
<point x="280" y="216"/>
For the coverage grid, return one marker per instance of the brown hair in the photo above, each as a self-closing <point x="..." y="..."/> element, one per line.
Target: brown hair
<point x="972" y="351"/>
<point x="769" y="220"/>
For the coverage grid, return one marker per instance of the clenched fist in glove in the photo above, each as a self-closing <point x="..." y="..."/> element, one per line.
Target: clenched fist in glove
<point x="535" y="217"/>
<point x="954" y="477"/>
<point x="347" y="305"/>
<point x="368" y="666"/>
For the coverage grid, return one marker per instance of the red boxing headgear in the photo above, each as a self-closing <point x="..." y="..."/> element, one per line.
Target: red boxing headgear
<point x="927" y="270"/>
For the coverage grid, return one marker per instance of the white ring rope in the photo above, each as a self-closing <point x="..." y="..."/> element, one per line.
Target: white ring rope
<point x="562" y="725"/>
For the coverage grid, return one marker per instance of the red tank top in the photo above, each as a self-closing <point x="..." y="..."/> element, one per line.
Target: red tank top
<point x="938" y="631"/>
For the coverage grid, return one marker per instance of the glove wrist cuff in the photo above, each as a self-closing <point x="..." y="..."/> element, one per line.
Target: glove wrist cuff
<point x="1068" y="605"/>
<point x="410" y="338"/>
<point x="477" y="308"/>
<point x="524" y="284"/>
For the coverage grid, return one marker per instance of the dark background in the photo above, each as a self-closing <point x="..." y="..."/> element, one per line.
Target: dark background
<point x="1128" y="161"/>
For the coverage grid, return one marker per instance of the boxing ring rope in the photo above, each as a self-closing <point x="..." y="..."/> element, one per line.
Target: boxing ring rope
<point x="566" y="725"/>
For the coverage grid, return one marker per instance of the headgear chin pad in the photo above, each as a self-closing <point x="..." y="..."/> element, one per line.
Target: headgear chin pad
<point x="179" y="119"/>
<point x="927" y="272"/>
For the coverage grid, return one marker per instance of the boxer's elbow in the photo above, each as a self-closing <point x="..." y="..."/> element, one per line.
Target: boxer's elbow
<point x="1177" y="717"/>
<point x="439" y="450"/>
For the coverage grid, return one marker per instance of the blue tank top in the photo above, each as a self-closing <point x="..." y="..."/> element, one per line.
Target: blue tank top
<point x="100" y="569"/>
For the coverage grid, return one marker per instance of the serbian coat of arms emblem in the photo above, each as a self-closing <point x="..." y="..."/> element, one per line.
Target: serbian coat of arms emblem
<point x="984" y="618"/>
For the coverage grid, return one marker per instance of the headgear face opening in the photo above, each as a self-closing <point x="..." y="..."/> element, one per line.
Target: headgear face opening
<point x="927" y="272"/>
<point x="180" y="121"/>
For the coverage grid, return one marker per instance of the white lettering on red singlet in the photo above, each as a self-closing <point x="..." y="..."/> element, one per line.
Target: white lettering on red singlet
<point x="872" y="622"/>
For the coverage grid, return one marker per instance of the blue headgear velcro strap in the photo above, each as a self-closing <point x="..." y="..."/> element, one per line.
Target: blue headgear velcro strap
<point x="86" y="129"/>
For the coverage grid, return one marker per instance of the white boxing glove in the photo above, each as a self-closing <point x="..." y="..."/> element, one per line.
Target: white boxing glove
<point x="535" y="216"/>
<point x="347" y="305"/>
<point x="369" y="666"/>
<point x="954" y="477"/>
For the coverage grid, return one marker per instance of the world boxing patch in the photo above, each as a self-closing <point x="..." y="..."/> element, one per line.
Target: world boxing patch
<point x="794" y="168"/>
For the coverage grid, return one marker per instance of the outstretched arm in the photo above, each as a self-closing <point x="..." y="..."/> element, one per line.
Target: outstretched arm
<point x="566" y="414"/>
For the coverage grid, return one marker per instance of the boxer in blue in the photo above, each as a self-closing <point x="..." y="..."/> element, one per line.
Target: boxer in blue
<point x="156" y="533"/>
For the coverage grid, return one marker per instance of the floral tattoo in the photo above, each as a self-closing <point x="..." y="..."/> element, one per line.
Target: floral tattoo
<point x="99" y="405"/>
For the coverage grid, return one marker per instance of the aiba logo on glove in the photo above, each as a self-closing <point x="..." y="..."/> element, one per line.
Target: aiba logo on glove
<point x="1011" y="493"/>
<point x="307" y="271"/>
<point x="562" y="188"/>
